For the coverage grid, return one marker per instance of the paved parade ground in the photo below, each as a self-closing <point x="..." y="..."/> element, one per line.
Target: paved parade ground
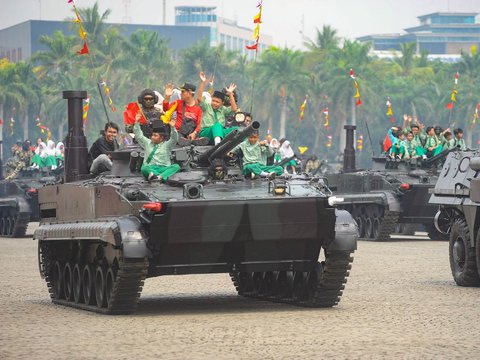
<point x="400" y="302"/>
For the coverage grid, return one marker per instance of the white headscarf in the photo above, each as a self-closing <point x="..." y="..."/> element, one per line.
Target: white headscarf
<point x="286" y="150"/>
<point x="274" y="143"/>
<point x="59" y="150"/>
<point x="50" y="148"/>
<point x="41" y="150"/>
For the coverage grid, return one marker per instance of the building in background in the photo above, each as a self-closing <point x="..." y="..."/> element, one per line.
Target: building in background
<point x="438" y="34"/>
<point x="222" y="31"/>
<point x="192" y="24"/>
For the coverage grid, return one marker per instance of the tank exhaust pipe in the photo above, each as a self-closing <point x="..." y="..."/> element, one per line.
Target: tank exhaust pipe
<point x="349" y="152"/>
<point x="76" y="152"/>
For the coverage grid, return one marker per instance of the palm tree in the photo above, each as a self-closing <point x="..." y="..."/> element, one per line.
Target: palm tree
<point x="144" y="62"/>
<point x="281" y="77"/>
<point x="326" y="39"/>
<point x="406" y="61"/>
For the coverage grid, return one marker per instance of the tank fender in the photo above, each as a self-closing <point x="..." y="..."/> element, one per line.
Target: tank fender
<point x="133" y="238"/>
<point x="346" y="232"/>
<point x="16" y="202"/>
<point x="125" y="232"/>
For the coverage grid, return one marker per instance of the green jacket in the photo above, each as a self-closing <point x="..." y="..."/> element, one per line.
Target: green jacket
<point x="460" y="143"/>
<point x="210" y="116"/>
<point x="432" y="141"/>
<point x="161" y="156"/>
<point x="411" y="147"/>
<point x="254" y="154"/>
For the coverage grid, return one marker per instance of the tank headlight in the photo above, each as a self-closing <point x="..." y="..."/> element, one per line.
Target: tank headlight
<point x="333" y="200"/>
<point x="405" y="186"/>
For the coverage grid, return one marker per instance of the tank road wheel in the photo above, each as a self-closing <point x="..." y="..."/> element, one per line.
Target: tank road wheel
<point x="462" y="256"/>
<point x="368" y="227"/>
<point x="100" y="286"/>
<point x="285" y="284"/>
<point x="57" y="280"/>
<point x="8" y="226"/>
<point x="3" y="225"/>
<point x="257" y="279"/>
<point x="12" y="224"/>
<point x="361" y="226"/>
<point x="88" y="285"/>
<point x="300" y="292"/>
<point x="77" y="284"/>
<point x="111" y="277"/>
<point x="268" y="285"/>
<point x="376" y="227"/>
<point x="67" y="282"/>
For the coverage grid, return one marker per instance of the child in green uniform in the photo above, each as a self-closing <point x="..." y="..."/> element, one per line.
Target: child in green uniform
<point x="433" y="144"/>
<point x="157" y="164"/>
<point x="410" y="146"/>
<point x="459" y="141"/>
<point x="255" y="154"/>
<point x="447" y="140"/>
<point x="398" y="146"/>
<point x="214" y="114"/>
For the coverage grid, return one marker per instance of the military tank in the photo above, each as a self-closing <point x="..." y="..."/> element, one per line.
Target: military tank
<point x="100" y="238"/>
<point x="393" y="192"/>
<point x="19" y="201"/>
<point x="457" y="195"/>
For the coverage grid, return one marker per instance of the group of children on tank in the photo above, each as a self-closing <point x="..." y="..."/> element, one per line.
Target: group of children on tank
<point x="199" y="120"/>
<point x="414" y="140"/>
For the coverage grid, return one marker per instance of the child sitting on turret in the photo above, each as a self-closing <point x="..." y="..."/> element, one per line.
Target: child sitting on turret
<point x="255" y="154"/>
<point x="157" y="164"/>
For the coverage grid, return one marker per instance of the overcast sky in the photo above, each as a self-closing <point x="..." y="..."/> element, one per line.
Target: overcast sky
<point x="288" y="21"/>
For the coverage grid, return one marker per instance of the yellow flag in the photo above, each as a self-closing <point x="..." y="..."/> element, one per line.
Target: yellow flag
<point x="168" y="115"/>
<point x="256" y="31"/>
<point x="302" y="149"/>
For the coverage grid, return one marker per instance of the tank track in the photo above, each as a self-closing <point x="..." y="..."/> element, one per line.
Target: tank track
<point x="126" y="290"/>
<point x="322" y="287"/>
<point x="387" y="226"/>
<point x="20" y="223"/>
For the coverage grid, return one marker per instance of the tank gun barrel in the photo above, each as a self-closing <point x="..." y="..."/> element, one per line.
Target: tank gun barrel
<point x="438" y="157"/>
<point x="228" y="146"/>
<point x="206" y="155"/>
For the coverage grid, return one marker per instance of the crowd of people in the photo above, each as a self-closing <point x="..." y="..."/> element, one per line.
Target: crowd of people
<point x="190" y="117"/>
<point x="42" y="155"/>
<point x="415" y="140"/>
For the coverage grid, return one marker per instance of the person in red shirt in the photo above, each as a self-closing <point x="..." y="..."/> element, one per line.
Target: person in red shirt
<point x="189" y="115"/>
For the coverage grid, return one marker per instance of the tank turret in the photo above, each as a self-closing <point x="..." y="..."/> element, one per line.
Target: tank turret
<point x="100" y="238"/>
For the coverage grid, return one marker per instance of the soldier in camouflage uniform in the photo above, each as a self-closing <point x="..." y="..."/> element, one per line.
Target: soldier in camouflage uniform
<point x="21" y="160"/>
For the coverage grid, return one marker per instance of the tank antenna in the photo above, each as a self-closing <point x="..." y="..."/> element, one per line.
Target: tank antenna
<point x="103" y="102"/>
<point x="369" y="137"/>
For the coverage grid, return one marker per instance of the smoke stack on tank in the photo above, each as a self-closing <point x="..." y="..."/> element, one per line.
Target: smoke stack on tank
<point x="349" y="152"/>
<point x="76" y="152"/>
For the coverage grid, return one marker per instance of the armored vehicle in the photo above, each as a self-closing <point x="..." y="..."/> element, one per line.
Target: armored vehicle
<point x="457" y="193"/>
<point x="19" y="201"/>
<point x="393" y="192"/>
<point x="99" y="238"/>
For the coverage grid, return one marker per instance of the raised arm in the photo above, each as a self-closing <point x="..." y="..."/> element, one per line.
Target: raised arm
<point x="230" y="91"/>
<point x="141" y="139"/>
<point x="201" y="86"/>
<point x="168" y="94"/>
<point x="173" y="134"/>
